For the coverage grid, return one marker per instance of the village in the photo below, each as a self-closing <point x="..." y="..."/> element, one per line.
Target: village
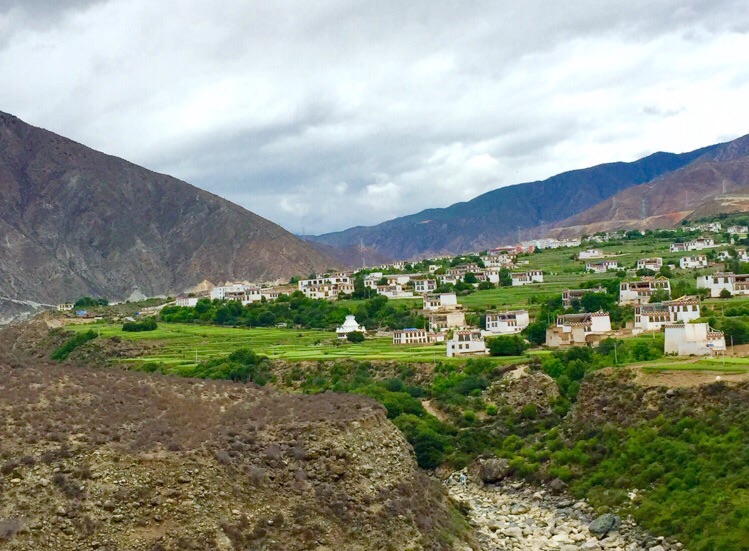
<point x="440" y="291"/>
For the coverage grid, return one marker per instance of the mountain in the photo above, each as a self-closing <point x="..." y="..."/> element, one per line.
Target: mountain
<point x="716" y="182"/>
<point x="74" y="221"/>
<point x="503" y="214"/>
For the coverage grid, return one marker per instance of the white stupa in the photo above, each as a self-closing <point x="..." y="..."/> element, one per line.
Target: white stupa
<point x="349" y="326"/>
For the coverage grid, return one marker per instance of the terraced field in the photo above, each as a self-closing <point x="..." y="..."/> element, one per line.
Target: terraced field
<point x="183" y="345"/>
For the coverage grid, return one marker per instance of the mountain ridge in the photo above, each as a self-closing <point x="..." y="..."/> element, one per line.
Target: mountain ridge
<point x="491" y="218"/>
<point x="76" y="221"/>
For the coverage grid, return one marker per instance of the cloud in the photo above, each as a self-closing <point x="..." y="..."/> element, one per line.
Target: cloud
<point x="322" y="116"/>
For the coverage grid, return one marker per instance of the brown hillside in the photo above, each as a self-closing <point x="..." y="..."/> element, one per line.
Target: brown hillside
<point x="665" y="201"/>
<point x="74" y="221"/>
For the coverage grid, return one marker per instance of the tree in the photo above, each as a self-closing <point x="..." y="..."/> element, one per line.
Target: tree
<point x="505" y="279"/>
<point x="355" y="336"/>
<point x="536" y="332"/>
<point x="659" y="295"/>
<point x="470" y="278"/>
<point x="725" y="293"/>
<point x="507" y="346"/>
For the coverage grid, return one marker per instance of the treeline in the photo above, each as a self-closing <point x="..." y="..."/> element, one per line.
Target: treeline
<point x="298" y="311"/>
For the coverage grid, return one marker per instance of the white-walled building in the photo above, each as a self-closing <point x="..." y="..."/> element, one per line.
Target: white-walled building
<point x="350" y="325"/>
<point x="693" y="339"/>
<point x="638" y="292"/>
<point x="692" y="262"/>
<point x="466" y="342"/>
<point x="394" y="291"/>
<point x="423" y="286"/>
<point x="650" y="264"/>
<point x="526" y="278"/>
<point x="444" y="320"/>
<point x="736" y="284"/>
<point x="678" y="248"/>
<point x="579" y="329"/>
<point x="700" y="244"/>
<point x="652" y="317"/>
<point x="507" y="323"/>
<point x="590" y="254"/>
<point x="602" y="267"/>
<point x="410" y="336"/>
<point x="186" y="301"/>
<point x="569" y="295"/>
<point x="65" y="307"/>
<point x="441" y="301"/>
<point x="737" y="229"/>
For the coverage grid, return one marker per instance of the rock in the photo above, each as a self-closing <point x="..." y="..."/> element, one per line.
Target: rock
<point x="558" y="485"/>
<point x="604" y="524"/>
<point x="492" y="470"/>
<point x="514" y="532"/>
<point x="519" y="509"/>
<point x="590" y="546"/>
<point x="657" y="548"/>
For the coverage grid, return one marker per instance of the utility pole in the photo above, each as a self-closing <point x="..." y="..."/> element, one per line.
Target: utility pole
<point x="616" y="357"/>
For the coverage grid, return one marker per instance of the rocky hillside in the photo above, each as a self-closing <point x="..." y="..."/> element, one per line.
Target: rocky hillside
<point x="494" y="218"/>
<point x="716" y="182"/>
<point x="112" y="460"/>
<point x="76" y="222"/>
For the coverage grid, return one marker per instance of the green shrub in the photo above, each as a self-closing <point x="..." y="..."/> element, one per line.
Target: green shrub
<point x="61" y="353"/>
<point x="355" y="337"/>
<point x="148" y="324"/>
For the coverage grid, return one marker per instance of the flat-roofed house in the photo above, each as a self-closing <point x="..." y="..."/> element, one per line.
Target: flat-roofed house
<point x="466" y="342"/>
<point x="441" y="301"/>
<point x="583" y="329"/>
<point x="394" y="291"/>
<point x="602" y="267"/>
<point x="526" y="278"/>
<point x="569" y="295"/>
<point x="410" y="336"/>
<point x="654" y="316"/>
<point x="590" y="254"/>
<point x="639" y="291"/>
<point x="443" y="320"/>
<point x="678" y="248"/>
<point x="737" y="229"/>
<point x="736" y="284"/>
<point x="650" y="264"/>
<point x="507" y="323"/>
<point x="692" y="262"/>
<point x="425" y="285"/>
<point x="693" y="339"/>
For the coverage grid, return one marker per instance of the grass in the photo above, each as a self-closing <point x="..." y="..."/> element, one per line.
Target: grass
<point x="178" y="345"/>
<point x="725" y="365"/>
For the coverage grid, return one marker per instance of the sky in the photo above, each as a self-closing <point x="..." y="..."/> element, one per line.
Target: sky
<point x="322" y="115"/>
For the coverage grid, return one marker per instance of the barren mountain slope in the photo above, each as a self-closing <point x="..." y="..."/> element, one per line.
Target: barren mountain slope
<point x="74" y="221"/>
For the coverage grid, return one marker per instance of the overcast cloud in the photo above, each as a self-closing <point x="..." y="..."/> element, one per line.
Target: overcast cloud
<point x="325" y="115"/>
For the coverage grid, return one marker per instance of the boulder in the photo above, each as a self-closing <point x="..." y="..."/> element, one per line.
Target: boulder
<point x="493" y="470"/>
<point x="604" y="524"/>
<point x="558" y="485"/>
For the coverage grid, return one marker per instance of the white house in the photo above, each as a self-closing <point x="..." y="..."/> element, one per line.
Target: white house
<point x="423" y="286"/>
<point x="410" y="336"/>
<point x="652" y="317"/>
<point x="678" y="248"/>
<point x="466" y="342"/>
<point x="700" y="244"/>
<point x="691" y="262"/>
<point x="65" y="307"/>
<point x="526" y="278"/>
<point x="507" y="323"/>
<point x="650" y="264"/>
<point x="737" y="229"/>
<point x="710" y="226"/>
<point x="441" y="301"/>
<point x="569" y="295"/>
<point x="590" y="254"/>
<point x="235" y="291"/>
<point x="187" y="301"/>
<point x="693" y="339"/>
<point x="602" y="267"/>
<point x="394" y="291"/>
<point x="443" y="320"/>
<point x="579" y="329"/>
<point x="350" y="325"/>
<point x="637" y="292"/>
<point x="736" y="284"/>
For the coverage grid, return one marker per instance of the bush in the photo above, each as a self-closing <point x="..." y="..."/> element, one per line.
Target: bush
<point x="355" y="337"/>
<point x="60" y="354"/>
<point x="507" y="346"/>
<point x="148" y="324"/>
<point x="725" y="293"/>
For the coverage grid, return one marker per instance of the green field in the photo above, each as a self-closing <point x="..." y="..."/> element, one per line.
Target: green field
<point x="726" y="365"/>
<point x="177" y="344"/>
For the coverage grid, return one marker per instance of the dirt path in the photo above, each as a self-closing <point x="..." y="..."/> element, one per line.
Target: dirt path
<point x="432" y="410"/>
